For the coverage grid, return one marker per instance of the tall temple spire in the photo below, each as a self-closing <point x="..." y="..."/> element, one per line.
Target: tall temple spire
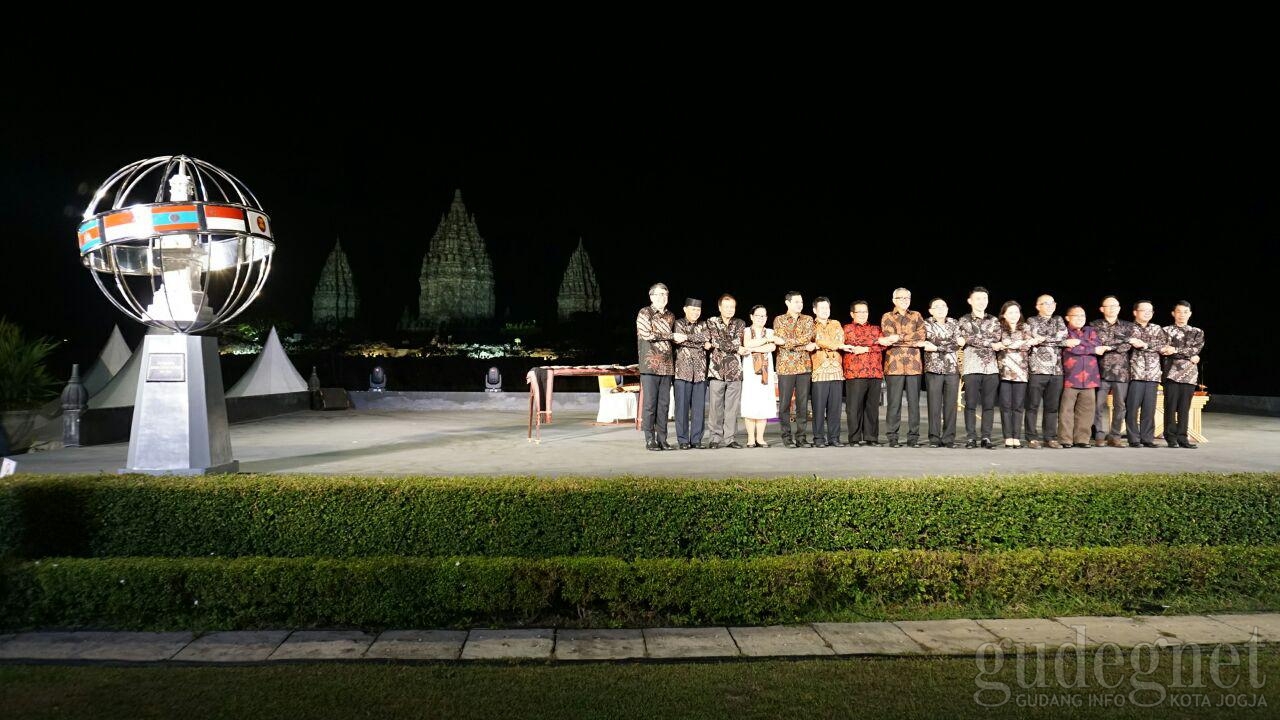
<point x="579" y="291"/>
<point x="457" y="274"/>
<point x="336" y="298"/>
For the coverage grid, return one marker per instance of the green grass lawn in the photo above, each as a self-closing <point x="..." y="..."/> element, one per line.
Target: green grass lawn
<point x="837" y="688"/>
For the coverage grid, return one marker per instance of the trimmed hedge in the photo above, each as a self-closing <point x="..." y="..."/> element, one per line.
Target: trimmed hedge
<point x="246" y="593"/>
<point x="319" y="516"/>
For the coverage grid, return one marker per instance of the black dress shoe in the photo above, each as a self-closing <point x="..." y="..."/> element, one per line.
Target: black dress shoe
<point x="665" y="445"/>
<point x="971" y="444"/>
<point x="685" y="446"/>
<point x="734" y="445"/>
<point x="935" y="444"/>
<point x="1085" y="446"/>
<point x="788" y="442"/>
<point x="914" y="444"/>
<point x="803" y="443"/>
<point x="820" y="444"/>
<point x="894" y="443"/>
<point x="957" y="445"/>
<point x="714" y="446"/>
<point x="857" y="443"/>
<point x="653" y="446"/>
<point x="836" y="443"/>
<point x="1148" y="445"/>
<point x="986" y="443"/>
<point x="1189" y="445"/>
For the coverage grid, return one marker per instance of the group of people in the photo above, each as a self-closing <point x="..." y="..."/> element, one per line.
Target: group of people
<point x="1051" y="375"/>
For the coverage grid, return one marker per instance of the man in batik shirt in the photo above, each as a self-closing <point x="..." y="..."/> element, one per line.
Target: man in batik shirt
<point x="793" y="334"/>
<point x="828" y="375"/>
<point x="863" y="372"/>
<point x="978" y="332"/>
<point x="1045" y="383"/>
<point x="1181" y="352"/>
<point x="1113" y="365"/>
<point x="1144" y="375"/>
<point x="903" y="330"/>
<point x="941" y="373"/>
<point x="654" y="335"/>
<point x="691" y="375"/>
<point x="1080" y="380"/>
<point x="724" y="332"/>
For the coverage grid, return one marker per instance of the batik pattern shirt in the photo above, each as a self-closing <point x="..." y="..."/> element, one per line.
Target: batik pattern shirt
<point x="979" y="334"/>
<point x="1145" y="364"/>
<point x="826" y="359"/>
<point x="942" y="334"/>
<point x="903" y="357"/>
<point x="868" y="364"/>
<point x="691" y="358"/>
<point x="653" y="341"/>
<point x="1080" y="363"/>
<point x="726" y="339"/>
<point x="1187" y="342"/>
<point x="1046" y="358"/>
<point x="1114" y="364"/>
<point x="1014" y="365"/>
<point x="792" y="335"/>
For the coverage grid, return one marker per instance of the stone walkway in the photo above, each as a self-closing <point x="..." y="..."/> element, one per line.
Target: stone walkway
<point x="936" y="637"/>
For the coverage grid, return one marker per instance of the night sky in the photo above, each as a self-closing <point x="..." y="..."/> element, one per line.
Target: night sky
<point x="751" y="186"/>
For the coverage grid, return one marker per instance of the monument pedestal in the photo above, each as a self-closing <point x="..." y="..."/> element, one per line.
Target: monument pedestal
<point x="179" y="412"/>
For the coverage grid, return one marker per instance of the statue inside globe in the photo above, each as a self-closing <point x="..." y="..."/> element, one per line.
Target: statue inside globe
<point x="160" y="258"/>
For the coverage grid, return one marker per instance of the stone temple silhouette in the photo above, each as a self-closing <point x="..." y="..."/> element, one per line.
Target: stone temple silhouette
<point x="335" y="299"/>
<point x="579" y="291"/>
<point x="457" y="274"/>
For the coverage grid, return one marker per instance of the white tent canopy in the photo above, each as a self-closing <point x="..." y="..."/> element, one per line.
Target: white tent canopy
<point x="113" y="357"/>
<point x="272" y="373"/>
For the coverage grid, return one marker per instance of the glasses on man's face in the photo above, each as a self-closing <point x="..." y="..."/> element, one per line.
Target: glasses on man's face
<point x="902" y="297"/>
<point x="1110" y="307"/>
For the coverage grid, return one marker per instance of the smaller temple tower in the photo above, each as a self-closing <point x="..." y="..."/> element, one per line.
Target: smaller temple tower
<point x="579" y="291"/>
<point x="335" y="299"/>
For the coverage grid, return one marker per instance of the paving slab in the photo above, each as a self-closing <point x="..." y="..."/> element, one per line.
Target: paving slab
<point x="1267" y="624"/>
<point x="323" y="645"/>
<point x="1123" y="631"/>
<point x="95" y="645"/>
<point x="1198" y="629"/>
<point x="689" y="642"/>
<point x="867" y="638"/>
<point x="779" y="640"/>
<point x="947" y="637"/>
<point x="599" y="644"/>
<point x="524" y="644"/>
<point x="418" y="645"/>
<point x="234" y="646"/>
<point x="1034" y="631"/>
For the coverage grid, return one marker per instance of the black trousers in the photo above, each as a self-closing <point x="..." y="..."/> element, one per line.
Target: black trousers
<point x="691" y="404"/>
<point x="1013" y="403"/>
<point x="657" y="401"/>
<point x="799" y="386"/>
<point x="862" y="409"/>
<point x="1046" y="388"/>
<point x="942" y="391"/>
<point x="1141" y="402"/>
<point x="896" y="385"/>
<point x="827" y="395"/>
<point x="1177" y="411"/>
<point x="980" y="391"/>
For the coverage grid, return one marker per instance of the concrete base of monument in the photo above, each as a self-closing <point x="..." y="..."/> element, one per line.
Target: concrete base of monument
<point x="493" y="441"/>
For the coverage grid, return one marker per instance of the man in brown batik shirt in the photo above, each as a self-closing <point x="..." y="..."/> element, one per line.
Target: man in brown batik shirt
<point x="654" y="335"/>
<point x="793" y="333"/>
<point x="903" y="330"/>
<point x="691" y="375"/>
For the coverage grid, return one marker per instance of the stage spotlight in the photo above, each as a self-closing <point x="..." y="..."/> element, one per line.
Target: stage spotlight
<point x="378" y="379"/>
<point x="493" y="380"/>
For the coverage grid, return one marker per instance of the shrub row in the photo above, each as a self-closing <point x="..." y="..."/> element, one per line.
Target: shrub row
<point x="247" y="593"/>
<point x="316" y="516"/>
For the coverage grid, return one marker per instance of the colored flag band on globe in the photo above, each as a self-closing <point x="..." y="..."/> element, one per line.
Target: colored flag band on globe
<point x="142" y="222"/>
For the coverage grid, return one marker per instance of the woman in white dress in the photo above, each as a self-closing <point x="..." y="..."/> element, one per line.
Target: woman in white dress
<point x="759" y="383"/>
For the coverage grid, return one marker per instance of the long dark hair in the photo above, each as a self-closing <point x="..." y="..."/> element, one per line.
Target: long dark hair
<point x="1022" y="319"/>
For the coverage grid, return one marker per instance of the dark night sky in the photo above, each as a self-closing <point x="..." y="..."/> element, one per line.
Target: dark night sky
<point x="752" y="186"/>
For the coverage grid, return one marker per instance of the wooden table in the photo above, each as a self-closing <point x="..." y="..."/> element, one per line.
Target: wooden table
<point x="537" y="416"/>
